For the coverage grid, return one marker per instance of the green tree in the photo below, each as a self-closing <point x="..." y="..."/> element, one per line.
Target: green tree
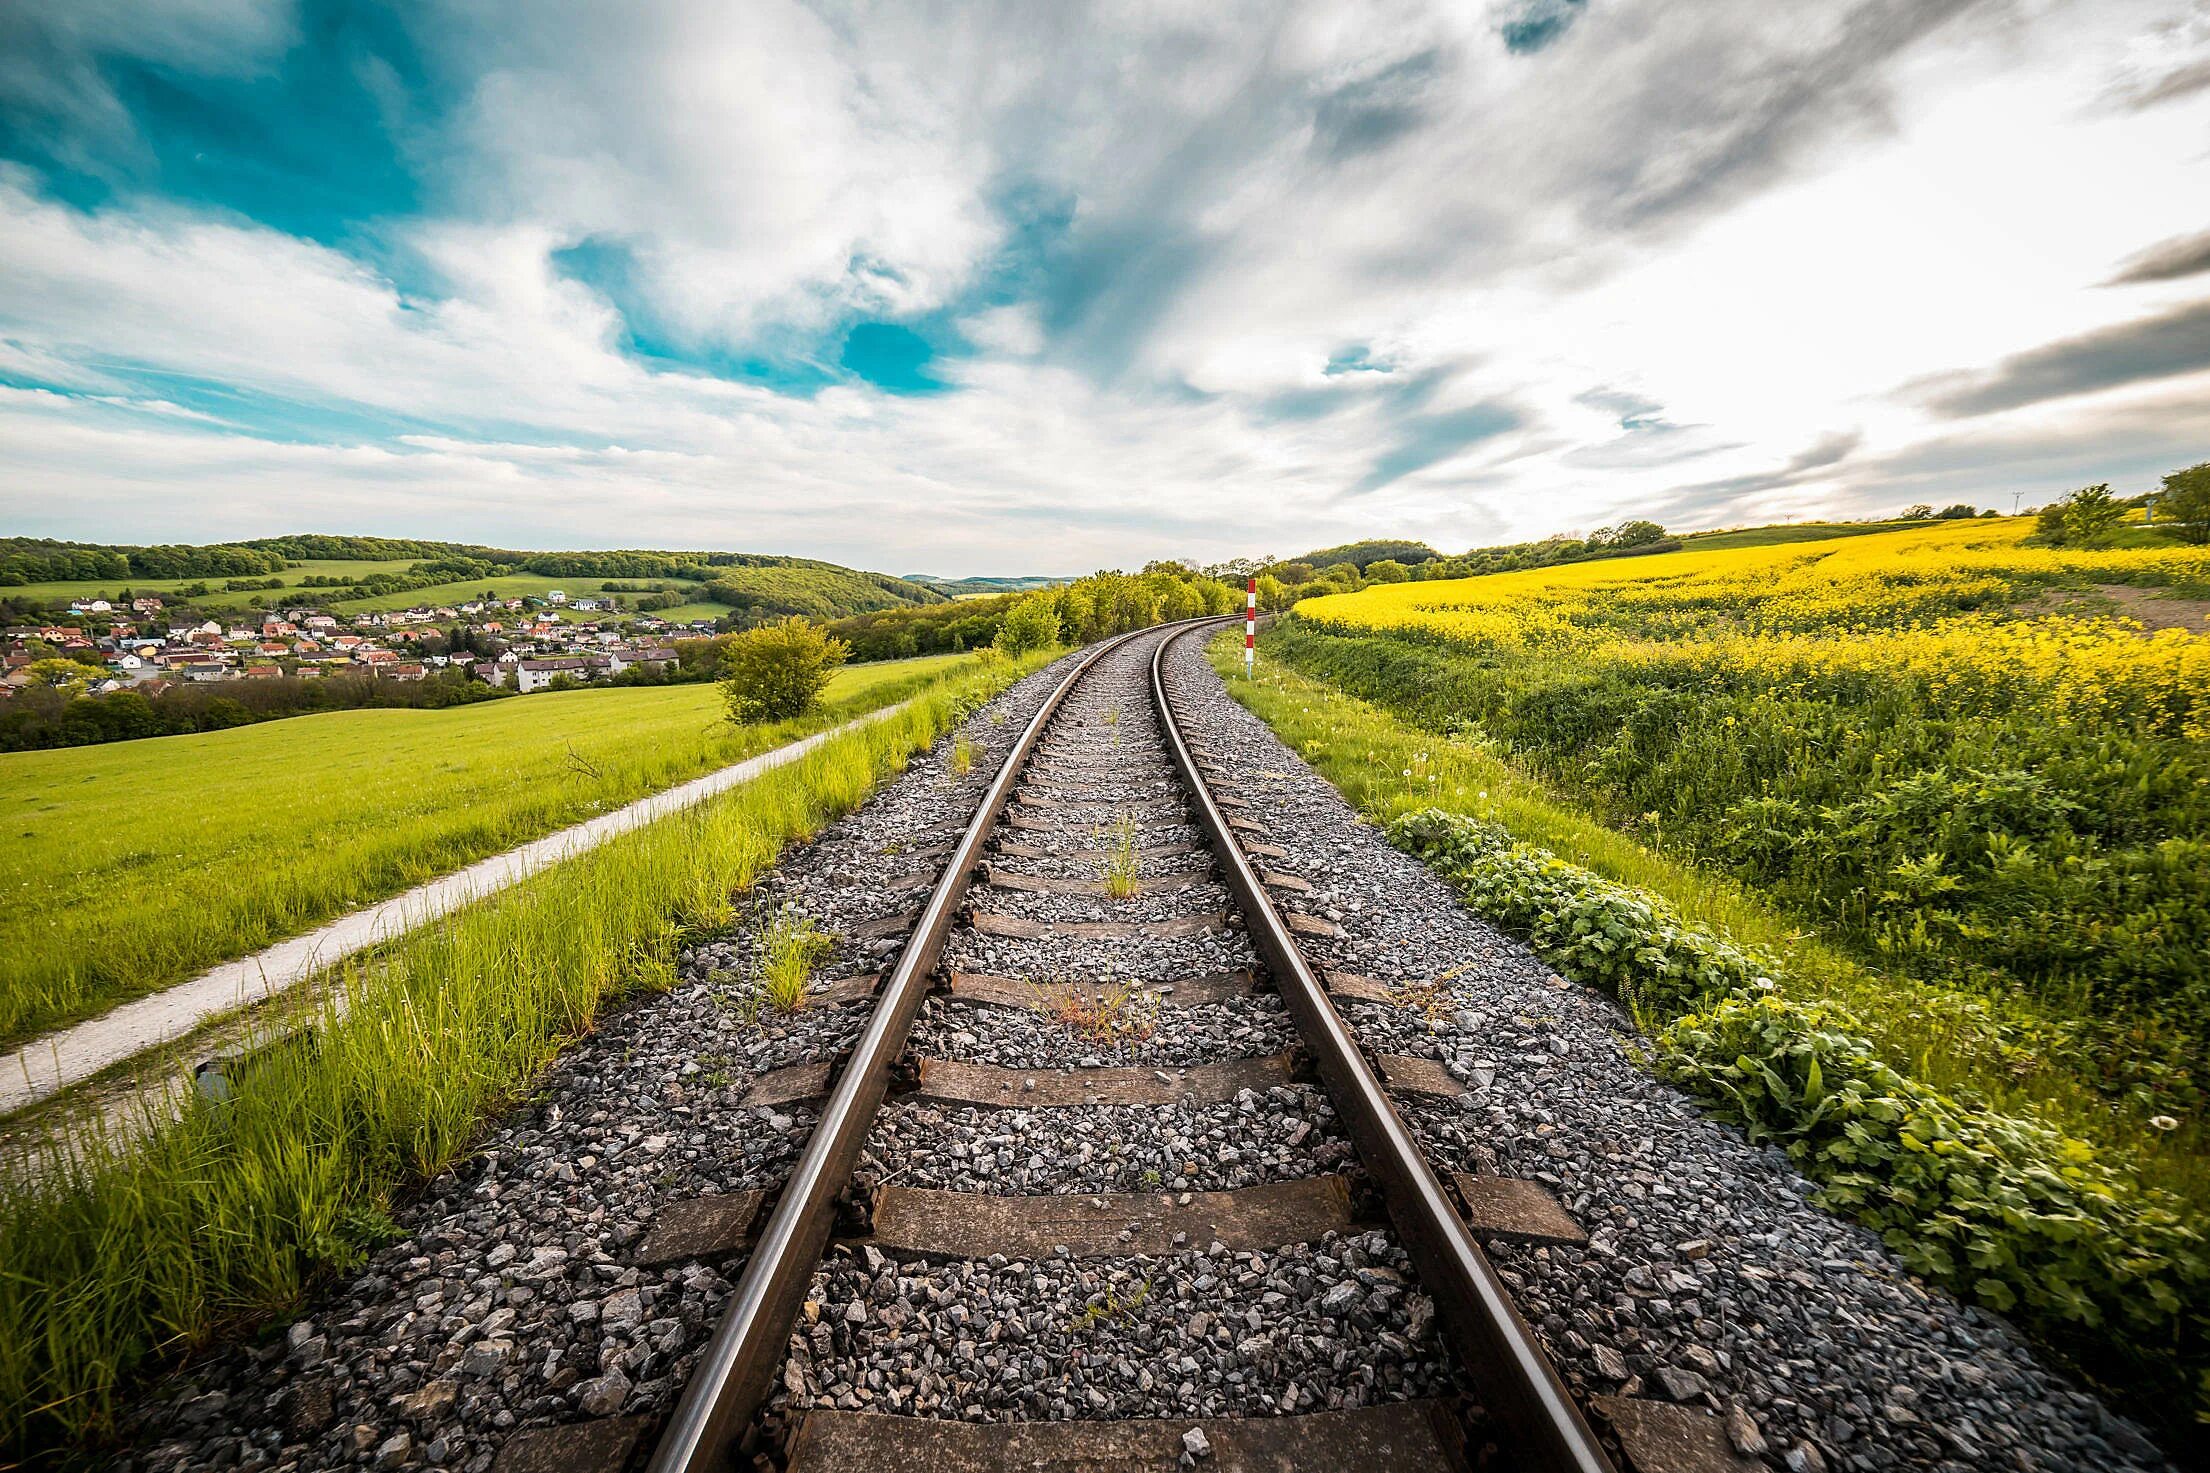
<point x="2185" y="501"/>
<point x="1031" y="624"/>
<point x="66" y="676"/>
<point x="2091" y="515"/>
<point x="1387" y="570"/>
<point x="1919" y="513"/>
<point x="778" y="670"/>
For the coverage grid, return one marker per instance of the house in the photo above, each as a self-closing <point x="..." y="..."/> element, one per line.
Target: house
<point x="90" y="606"/>
<point x="556" y="596"/>
<point x="374" y="658"/>
<point x="146" y="605"/>
<point x="264" y="672"/>
<point x="320" y="621"/>
<point x="532" y="675"/>
<point x="408" y="671"/>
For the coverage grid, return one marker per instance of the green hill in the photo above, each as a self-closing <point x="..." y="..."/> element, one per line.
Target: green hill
<point x="360" y="574"/>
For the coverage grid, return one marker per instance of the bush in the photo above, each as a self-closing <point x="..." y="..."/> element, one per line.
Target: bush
<point x="2005" y="1210"/>
<point x="1031" y="624"/>
<point x="1623" y="939"/>
<point x="778" y="671"/>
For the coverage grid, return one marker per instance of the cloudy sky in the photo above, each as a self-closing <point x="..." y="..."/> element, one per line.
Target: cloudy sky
<point x="1021" y="287"/>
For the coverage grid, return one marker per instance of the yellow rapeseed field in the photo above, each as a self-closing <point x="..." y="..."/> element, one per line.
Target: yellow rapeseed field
<point x="1958" y="609"/>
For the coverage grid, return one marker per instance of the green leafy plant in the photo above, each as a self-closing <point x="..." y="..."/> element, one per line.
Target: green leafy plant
<point x="1618" y="937"/>
<point x="2000" y="1208"/>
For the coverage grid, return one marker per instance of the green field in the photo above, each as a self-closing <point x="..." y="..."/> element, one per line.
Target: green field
<point x="1789" y="532"/>
<point x="505" y="585"/>
<point x="2037" y="1199"/>
<point x="134" y="865"/>
<point x="216" y="599"/>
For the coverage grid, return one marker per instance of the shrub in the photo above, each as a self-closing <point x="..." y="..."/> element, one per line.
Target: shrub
<point x="2006" y="1210"/>
<point x="778" y="670"/>
<point x="1031" y="624"/>
<point x="1615" y="936"/>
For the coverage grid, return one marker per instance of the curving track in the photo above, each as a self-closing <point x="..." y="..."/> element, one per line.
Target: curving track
<point x="1106" y="749"/>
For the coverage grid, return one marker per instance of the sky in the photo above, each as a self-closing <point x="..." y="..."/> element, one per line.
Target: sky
<point x="982" y="288"/>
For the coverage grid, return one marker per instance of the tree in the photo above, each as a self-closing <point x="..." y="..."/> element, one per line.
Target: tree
<point x="2185" y="501"/>
<point x="1274" y="595"/>
<point x="1956" y="512"/>
<point x="778" y="670"/>
<point x="1387" y="570"/>
<point x="1031" y="624"/>
<point x="66" y="676"/>
<point x="1919" y="513"/>
<point x="2091" y="514"/>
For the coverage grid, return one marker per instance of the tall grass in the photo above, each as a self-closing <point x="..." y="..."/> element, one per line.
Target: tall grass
<point x="128" y="1253"/>
<point x="132" y="866"/>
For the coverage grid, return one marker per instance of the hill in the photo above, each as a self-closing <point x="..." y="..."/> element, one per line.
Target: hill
<point x="364" y="574"/>
<point x="1373" y="550"/>
<point x="975" y="587"/>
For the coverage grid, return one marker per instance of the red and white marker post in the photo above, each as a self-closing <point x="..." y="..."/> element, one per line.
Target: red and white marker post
<point x="1250" y="624"/>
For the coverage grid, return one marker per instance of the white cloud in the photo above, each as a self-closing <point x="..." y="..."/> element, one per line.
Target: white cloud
<point x="1852" y="198"/>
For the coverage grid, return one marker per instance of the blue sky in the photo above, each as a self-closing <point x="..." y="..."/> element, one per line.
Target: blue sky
<point x="1012" y="287"/>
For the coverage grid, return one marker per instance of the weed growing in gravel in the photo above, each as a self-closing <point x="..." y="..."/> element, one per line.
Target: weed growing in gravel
<point x="1122" y="866"/>
<point x="790" y="948"/>
<point x="1104" y="1014"/>
<point x="1107" y="1307"/>
<point x="963" y="756"/>
<point x="124" y="1251"/>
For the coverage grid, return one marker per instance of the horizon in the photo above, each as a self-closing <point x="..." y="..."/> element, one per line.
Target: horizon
<point x="958" y="288"/>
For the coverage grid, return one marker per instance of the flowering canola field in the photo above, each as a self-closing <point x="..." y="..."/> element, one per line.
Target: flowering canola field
<point x="1938" y="608"/>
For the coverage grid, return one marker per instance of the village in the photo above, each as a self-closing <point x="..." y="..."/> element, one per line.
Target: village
<point x="146" y="644"/>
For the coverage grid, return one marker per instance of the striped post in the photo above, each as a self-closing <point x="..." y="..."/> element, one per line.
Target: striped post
<point x="1250" y="624"/>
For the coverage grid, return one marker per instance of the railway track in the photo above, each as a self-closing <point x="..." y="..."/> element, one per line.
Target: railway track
<point x="1109" y="891"/>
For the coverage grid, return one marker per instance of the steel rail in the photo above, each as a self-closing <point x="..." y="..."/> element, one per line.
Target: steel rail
<point x="736" y="1370"/>
<point x="1514" y="1376"/>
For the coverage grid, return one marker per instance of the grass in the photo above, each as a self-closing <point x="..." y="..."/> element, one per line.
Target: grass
<point x="1123" y="868"/>
<point x="1952" y="1039"/>
<point x="790" y="949"/>
<point x="503" y="585"/>
<point x="123" y="1256"/>
<point x="134" y="865"/>
<point x="1789" y="532"/>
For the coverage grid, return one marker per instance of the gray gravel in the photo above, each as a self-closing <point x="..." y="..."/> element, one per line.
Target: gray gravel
<point x="1283" y="1134"/>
